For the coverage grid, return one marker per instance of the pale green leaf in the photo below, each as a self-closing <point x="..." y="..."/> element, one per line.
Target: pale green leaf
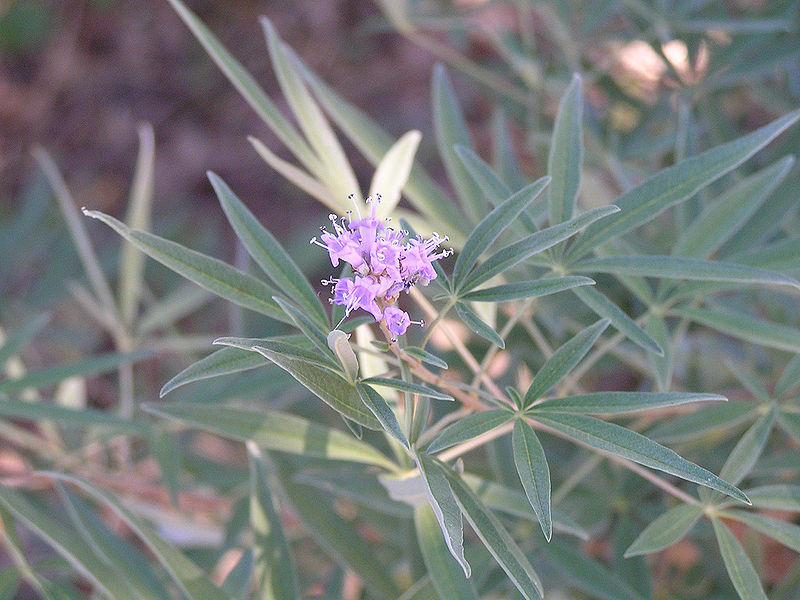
<point x="405" y="386"/>
<point x="787" y="534"/>
<point x="526" y="289"/>
<point x="222" y="362"/>
<point x="483" y="175"/>
<point x="392" y="172"/>
<point x="609" y="403"/>
<point x="704" y="420"/>
<point x="534" y="473"/>
<point x="237" y="581"/>
<point x="790" y="378"/>
<point x="777" y="497"/>
<point x="287" y="345"/>
<point x="741" y="571"/>
<point x="748" y="449"/>
<point x="474" y="322"/>
<point x="468" y="428"/>
<point x="316" y="334"/>
<point x="746" y="327"/>
<point x="273" y="430"/>
<point x="666" y="530"/>
<point x="43" y="411"/>
<point x="383" y="412"/>
<point x="565" y="160"/>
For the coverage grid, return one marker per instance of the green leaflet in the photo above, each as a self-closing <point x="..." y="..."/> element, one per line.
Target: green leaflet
<point x="790" y="378"/>
<point x="268" y="253"/>
<point x="210" y="273"/>
<point x="483" y="175"/>
<point x="777" y="496"/>
<point x="741" y="571"/>
<point x="474" y="322"/>
<point x="609" y="403"/>
<point x="42" y="411"/>
<point x="787" y="534"/>
<point x="527" y="289"/>
<point x="222" y="362"/>
<point x="273" y="430"/>
<point x="749" y="447"/>
<point x="745" y="327"/>
<point x="676" y="184"/>
<point x="286" y="345"/>
<point x="445" y="573"/>
<point x="704" y="420"/>
<point x="331" y="388"/>
<point x="565" y="160"/>
<point x="383" y="412"/>
<point x="414" y="388"/>
<point x="636" y="447"/>
<point x="534" y="473"/>
<point x="563" y="361"/>
<point x="468" y="428"/>
<point x="666" y="530"/>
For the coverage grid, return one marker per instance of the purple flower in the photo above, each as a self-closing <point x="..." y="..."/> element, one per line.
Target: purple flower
<point x="362" y="294"/>
<point x="396" y="320"/>
<point x="418" y="257"/>
<point x="345" y="247"/>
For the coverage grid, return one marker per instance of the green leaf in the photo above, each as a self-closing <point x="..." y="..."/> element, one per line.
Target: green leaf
<point x="790" y="423"/>
<point x="413" y="388"/>
<point x="623" y="442"/>
<point x="741" y="571"/>
<point x="527" y="289"/>
<point x="444" y="571"/>
<point x="222" y="362"/>
<point x="563" y="361"/>
<point x="331" y="388"/>
<point x="20" y="337"/>
<point x="425" y="356"/>
<point x="247" y="86"/>
<point x="491" y="226"/>
<point x="746" y="327"/>
<point x="497" y="540"/>
<point x="129" y="565"/>
<point x="483" y="175"/>
<point x="533" y="472"/>
<point x="336" y="172"/>
<point x="444" y="506"/>
<point x="515" y="253"/>
<point x="451" y="131"/>
<point x="191" y="580"/>
<point x="85" y="368"/>
<point x="588" y="574"/>
<point x="237" y="581"/>
<point x="662" y="365"/>
<point x="610" y="403"/>
<point x="702" y="421"/>
<point x="468" y="428"/>
<point x="67" y="543"/>
<point x="286" y="345"/>
<point x="392" y="172"/>
<point x="566" y="154"/>
<point x="790" y="378"/>
<point x="666" y="530"/>
<point x="184" y="299"/>
<point x="503" y="152"/>
<point x="785" y="533"/>
<point x="357" y="484"/>
<point x="273" y="430"/>
<point x="268" y="253"/>
<point x="605" y="308"/>
<point x="474" y="322"/>
<point x="676" y="184"/>
<point x="720" y="221"/>
<point x="214" y="275"/>
<point x="383" y="412"/>
<point x="169" y="456"/>
<point x="777" y="497"/>
<point x="315" y="334"/>
<point x="678" y="267"/>
<point x="749" y="447"/>
<point x="275" y="570"/>
<point x="42" y="411"/>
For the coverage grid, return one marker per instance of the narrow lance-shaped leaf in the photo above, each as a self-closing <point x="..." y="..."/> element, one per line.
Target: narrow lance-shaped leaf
<point x="497" y="540"/>
<point x="565" y="160"/>
<point x="534" y="473"/>
<point x="444" y="507"/>
<point x="445" y="573"/>
<point x="191" y="580"/>
<point x="777" y="496"/>
<point x="214" y="275"/>
<point x="741" y="571"/>
<point x="790" y="378"/>
<point x="289" y="346"/>
<point x="383" y="412"/>
<point x="405" y="386"/>
<point x="515" y="253"/>
<point x="745" y="327"/>
<point x="314" y="332"/>
<point x="604" y="307"/>
<point x="275" y="569"/>
<point x="623" y="442"/>
<point x="609" y="403"/>
<point x="392" y="172"/>
<point x="483" y="175"/>
<point x="527" y="289"/>
<point x="475" y="323"/>
<point x="564" y="360"/>
<point x="787" y="534"/>
<point x="666" y="530"/>
<point x="469" y="427"/>
<point x="268" y="253"/>
<point x="705" y="419"/>
<point x="678" y="267"/>
<point x="36" y="411"/>
<point x="273" y="430"/>
<point x="678" y="183"/>
<point x="20" y="337"/>
<point x="491" y="226"/>
<point x="222" y="362"/>
<point x="749" y="447"/>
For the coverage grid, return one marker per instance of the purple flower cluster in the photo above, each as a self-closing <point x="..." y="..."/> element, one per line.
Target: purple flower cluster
<point x="384" y="264"/>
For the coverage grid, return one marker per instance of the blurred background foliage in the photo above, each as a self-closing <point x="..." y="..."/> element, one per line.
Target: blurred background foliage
<point x="662" y="81"/>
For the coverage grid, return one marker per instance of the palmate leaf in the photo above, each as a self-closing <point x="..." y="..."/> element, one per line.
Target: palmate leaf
<point x="214" y="275"/>
<point x="189" y="578"/>
<point x="222" y="362"/>
<point x="268" y="253"/>
<point x="565" y="160"/>
<point x="610" y="403"/>
<point x="534" y="473"/>
<point x="666" y="530"/>
<point x="331" y="388"/>
<point x="445" y="573"/>
<point x="628" y="444"/>
<point x="273" y="430"/>
<point x="676" y="184"/>
<point x="445" y="508"/>
<point x="741" y="571"/>
<point x="745" y="327"/>
<point x="563" y="361"/>
<point x="469" y="427"/>
<point x="677" y="267"/>
<point x="491" y="226"/>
